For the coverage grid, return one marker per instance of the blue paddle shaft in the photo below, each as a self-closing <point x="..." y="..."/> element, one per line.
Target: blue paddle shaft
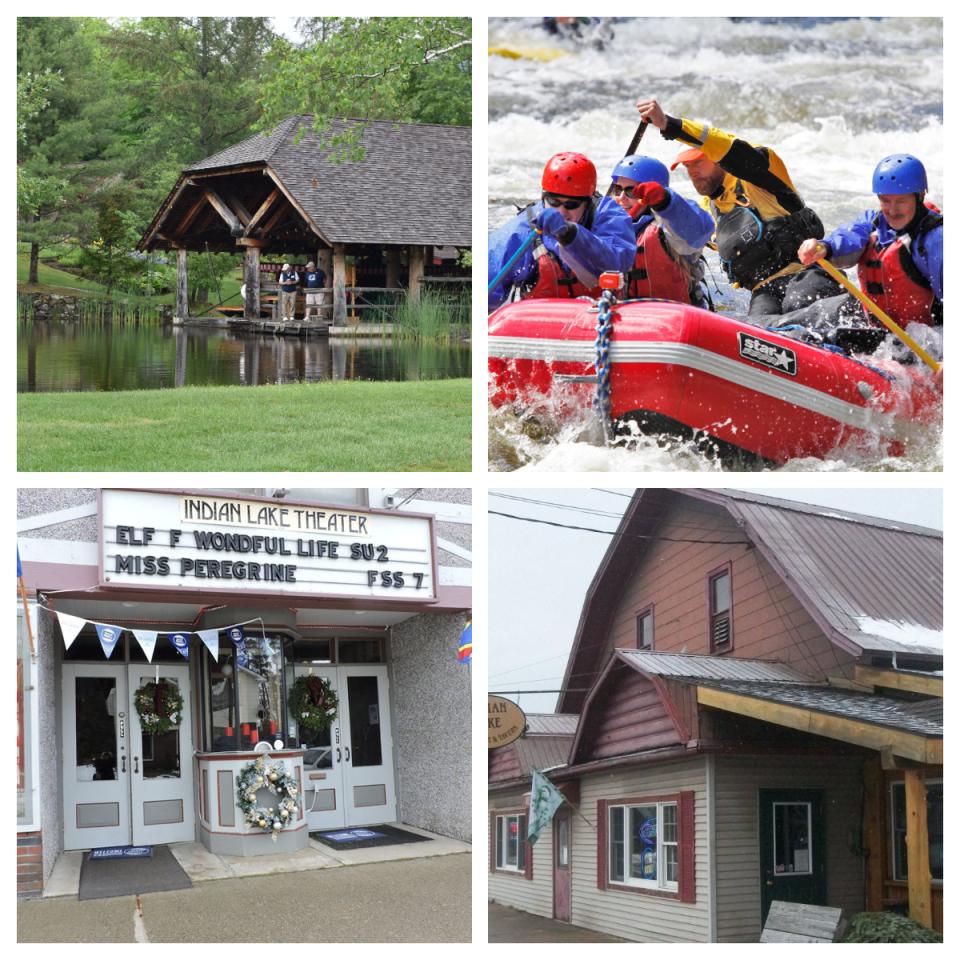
<point x="523" y="246"/>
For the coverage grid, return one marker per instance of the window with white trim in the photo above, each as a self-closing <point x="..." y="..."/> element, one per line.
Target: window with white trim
<point x="898" y="827"/>
<point x="512" y="842"/>
<point x="643" y="845"/>
<point x="645" y="629"/>
<point x="721" y="628"/>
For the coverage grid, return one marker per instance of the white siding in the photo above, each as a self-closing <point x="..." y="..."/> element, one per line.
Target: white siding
<point x="636" y="916"/>
<point x="738" y="782"/>
<point x="514" y="890"/>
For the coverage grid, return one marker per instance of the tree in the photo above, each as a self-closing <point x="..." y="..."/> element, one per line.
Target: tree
<point x="381" y="68"/>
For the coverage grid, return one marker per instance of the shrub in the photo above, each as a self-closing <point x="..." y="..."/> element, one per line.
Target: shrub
<point x="888" y="928"/>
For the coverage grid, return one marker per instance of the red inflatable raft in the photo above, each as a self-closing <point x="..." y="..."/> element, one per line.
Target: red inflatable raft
<point x="679" y="369"/>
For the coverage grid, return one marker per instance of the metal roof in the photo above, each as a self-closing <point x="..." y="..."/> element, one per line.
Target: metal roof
<point x="719" y="668"/>
<point x="540" y="753"/>
<point x="557" y="724"/>
<point x="909" y="716"/>
<point x="413" y="185"/>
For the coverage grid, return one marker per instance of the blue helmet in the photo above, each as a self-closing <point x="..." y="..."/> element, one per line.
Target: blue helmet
<point x="642" y="170"/>
<point x="898" y="174"/>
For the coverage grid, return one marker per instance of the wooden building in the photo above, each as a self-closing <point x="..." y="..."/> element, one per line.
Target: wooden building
<point x="284" y="191"/>
<point x="763" y="722"/>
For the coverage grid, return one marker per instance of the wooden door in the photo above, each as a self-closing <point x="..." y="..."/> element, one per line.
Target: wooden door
<point x="562" y="825"/>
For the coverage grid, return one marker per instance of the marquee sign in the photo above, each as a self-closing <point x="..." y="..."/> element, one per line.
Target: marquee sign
<point x="169" y="540"/>
<point x="505" y="722"/>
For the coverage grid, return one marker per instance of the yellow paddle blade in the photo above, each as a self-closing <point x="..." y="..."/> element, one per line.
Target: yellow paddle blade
<point x="543" y="54"/>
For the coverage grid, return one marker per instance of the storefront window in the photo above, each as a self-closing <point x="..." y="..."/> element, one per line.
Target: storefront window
<point x="643" y="846"/>
<point x="24" y="726"/>
<point x="511" y="842"/>
<point x="934" y="829"/>
<point x="359" y="651"/>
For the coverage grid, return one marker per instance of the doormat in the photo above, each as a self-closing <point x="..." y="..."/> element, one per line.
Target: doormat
<point x="119" y="853"/>
<point x="125" y="876"/>
<point x="382" y="835"/>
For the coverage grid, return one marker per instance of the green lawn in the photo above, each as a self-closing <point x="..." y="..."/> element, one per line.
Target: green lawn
<point x="344" y="425"/>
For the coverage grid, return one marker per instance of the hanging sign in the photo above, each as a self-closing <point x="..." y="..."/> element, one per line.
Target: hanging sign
<point x="505" y="722"/>
<point x="171" y="540"/>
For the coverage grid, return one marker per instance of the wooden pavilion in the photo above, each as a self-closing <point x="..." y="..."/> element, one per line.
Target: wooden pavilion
<point x="274" y="192"/>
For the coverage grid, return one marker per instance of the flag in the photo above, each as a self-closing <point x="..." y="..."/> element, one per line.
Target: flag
<point x="182" y="642"/>
<point x="465" y="650"/>
<point x="109" y="635"/>
<point x="211" y="639"/>
<point x="70" y="626"/>
<point x="544" y="800"/>
<point x="147" y="640"/>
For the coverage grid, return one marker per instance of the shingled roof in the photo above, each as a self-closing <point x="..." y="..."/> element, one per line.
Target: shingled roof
<point x="413" y="185"/>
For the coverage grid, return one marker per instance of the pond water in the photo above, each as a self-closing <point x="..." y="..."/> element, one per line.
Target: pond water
<point x="57" y="357"/>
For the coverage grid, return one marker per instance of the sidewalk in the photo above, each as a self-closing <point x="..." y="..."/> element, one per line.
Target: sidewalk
<point x="396" y="899"/>
<point x="507" y="925"/>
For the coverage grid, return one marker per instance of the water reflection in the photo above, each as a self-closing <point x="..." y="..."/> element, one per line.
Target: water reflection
<point x="54" y="356"/>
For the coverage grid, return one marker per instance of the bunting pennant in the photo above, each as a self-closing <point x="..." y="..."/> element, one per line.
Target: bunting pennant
<point x="211" y="639"/>
<point x="147" y="640"/>
<point x="465" y="649"/>
<point x="70" y="626"/>
<point x="240" y="648"/>
<point x="181" y="642"/>
<point x="109" y="635"/>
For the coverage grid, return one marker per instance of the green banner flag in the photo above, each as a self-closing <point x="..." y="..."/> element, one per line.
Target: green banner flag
<point x="544" y="800"/>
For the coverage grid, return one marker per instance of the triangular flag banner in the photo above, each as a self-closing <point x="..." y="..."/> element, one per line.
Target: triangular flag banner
<point x="147" y="640"/>
<point x="70" y="626"/>
<point x="182" y="642"/>
<point x="465" y="649"/>
<point x="109" y="635"/>
<point x="240" y="648"/>
<point x="212" y="640"/>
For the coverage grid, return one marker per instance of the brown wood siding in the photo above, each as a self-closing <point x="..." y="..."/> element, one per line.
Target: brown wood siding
<point x="503" y="763"/>
<point x="625" y="716"/>
<point x="738" y="782"/>
<point x="769" y="623"/>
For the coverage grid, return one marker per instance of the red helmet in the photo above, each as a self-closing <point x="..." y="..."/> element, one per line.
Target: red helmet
<point x="570" y="175"/>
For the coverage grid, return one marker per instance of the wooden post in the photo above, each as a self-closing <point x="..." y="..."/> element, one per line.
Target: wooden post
<point x="339" y="285"/>
<point x="182" y="310"/>
<point x="251" y="277"/>
<point x="918" y="848"/>
<point x="873" y="836"/>
<point x="416" y="273"/>
<point x="325" y="263"/>
<point x="392" y="257"/>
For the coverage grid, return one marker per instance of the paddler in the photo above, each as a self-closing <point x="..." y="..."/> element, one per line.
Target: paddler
<point x="581" y="235"/>
<point x="760" y="218"/>
<point x="671" y="232"/>
<point x="898" y="249"/>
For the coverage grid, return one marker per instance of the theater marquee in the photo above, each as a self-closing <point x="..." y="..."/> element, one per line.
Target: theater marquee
<point x="181" y="539"/>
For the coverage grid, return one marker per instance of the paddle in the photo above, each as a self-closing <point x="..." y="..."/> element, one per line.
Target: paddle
<point x="880" y="315"/>
<point x="634" y="143"/>
<point x="523" y="246"/>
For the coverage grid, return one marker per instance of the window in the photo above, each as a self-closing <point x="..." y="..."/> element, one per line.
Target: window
<point x="512" y="842"/>
<point x="792" y="829"/>
<point x="645" y="629"/>
<point x="721" y="629"/>
<point x="643" y="846"/>
<point x="898" y="824"/>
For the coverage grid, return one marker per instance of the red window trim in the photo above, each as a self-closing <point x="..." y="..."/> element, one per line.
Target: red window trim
<point x="653" y="636"/>
<point x="685" y="800"/>
<point x="726" y="568"/>
<point x="527" y="846"/>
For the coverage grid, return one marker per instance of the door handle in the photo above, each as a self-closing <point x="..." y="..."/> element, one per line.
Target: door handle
<point x="347" y="758"/>
<point x="123" y="763"/>
<point x="338" y="754"/>
<point x="136" y="764"/>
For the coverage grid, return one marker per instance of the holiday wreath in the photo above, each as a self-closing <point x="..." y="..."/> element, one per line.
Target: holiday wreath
<point x="263" y="775"/>
<point x="314" y="703"/>
<point x="159" y="706"/>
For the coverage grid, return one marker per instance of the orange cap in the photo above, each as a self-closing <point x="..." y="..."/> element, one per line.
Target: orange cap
<point x="687" y="156"/>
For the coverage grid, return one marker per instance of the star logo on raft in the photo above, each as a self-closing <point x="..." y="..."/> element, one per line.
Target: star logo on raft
<point x="769" y="354"/>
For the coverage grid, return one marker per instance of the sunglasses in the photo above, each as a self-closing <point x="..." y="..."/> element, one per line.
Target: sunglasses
<point x="551" y="200"/>
<point x="618" y="190"/>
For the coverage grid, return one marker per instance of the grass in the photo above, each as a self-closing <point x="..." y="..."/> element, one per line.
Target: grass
<point x="434" y="317"/>
<point x="336" y="426"/>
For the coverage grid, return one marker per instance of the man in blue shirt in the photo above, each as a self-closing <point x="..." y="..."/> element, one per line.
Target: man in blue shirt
<point x="315" y="280"/>
<point x="582" y="235"/>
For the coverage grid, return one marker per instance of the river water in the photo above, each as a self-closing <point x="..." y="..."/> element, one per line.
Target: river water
<point x="831" y="96"/>
<point x="55" y="356"/>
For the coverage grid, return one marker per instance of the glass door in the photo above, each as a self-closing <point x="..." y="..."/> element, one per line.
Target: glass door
<point x="367" y="745"/>
<point x="96" y="758"/>
<point x="161" y="764"/>
<point x="323" y="762"/>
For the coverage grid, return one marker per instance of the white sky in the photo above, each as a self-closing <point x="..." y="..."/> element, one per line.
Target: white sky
<point x="539" y="574"/>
